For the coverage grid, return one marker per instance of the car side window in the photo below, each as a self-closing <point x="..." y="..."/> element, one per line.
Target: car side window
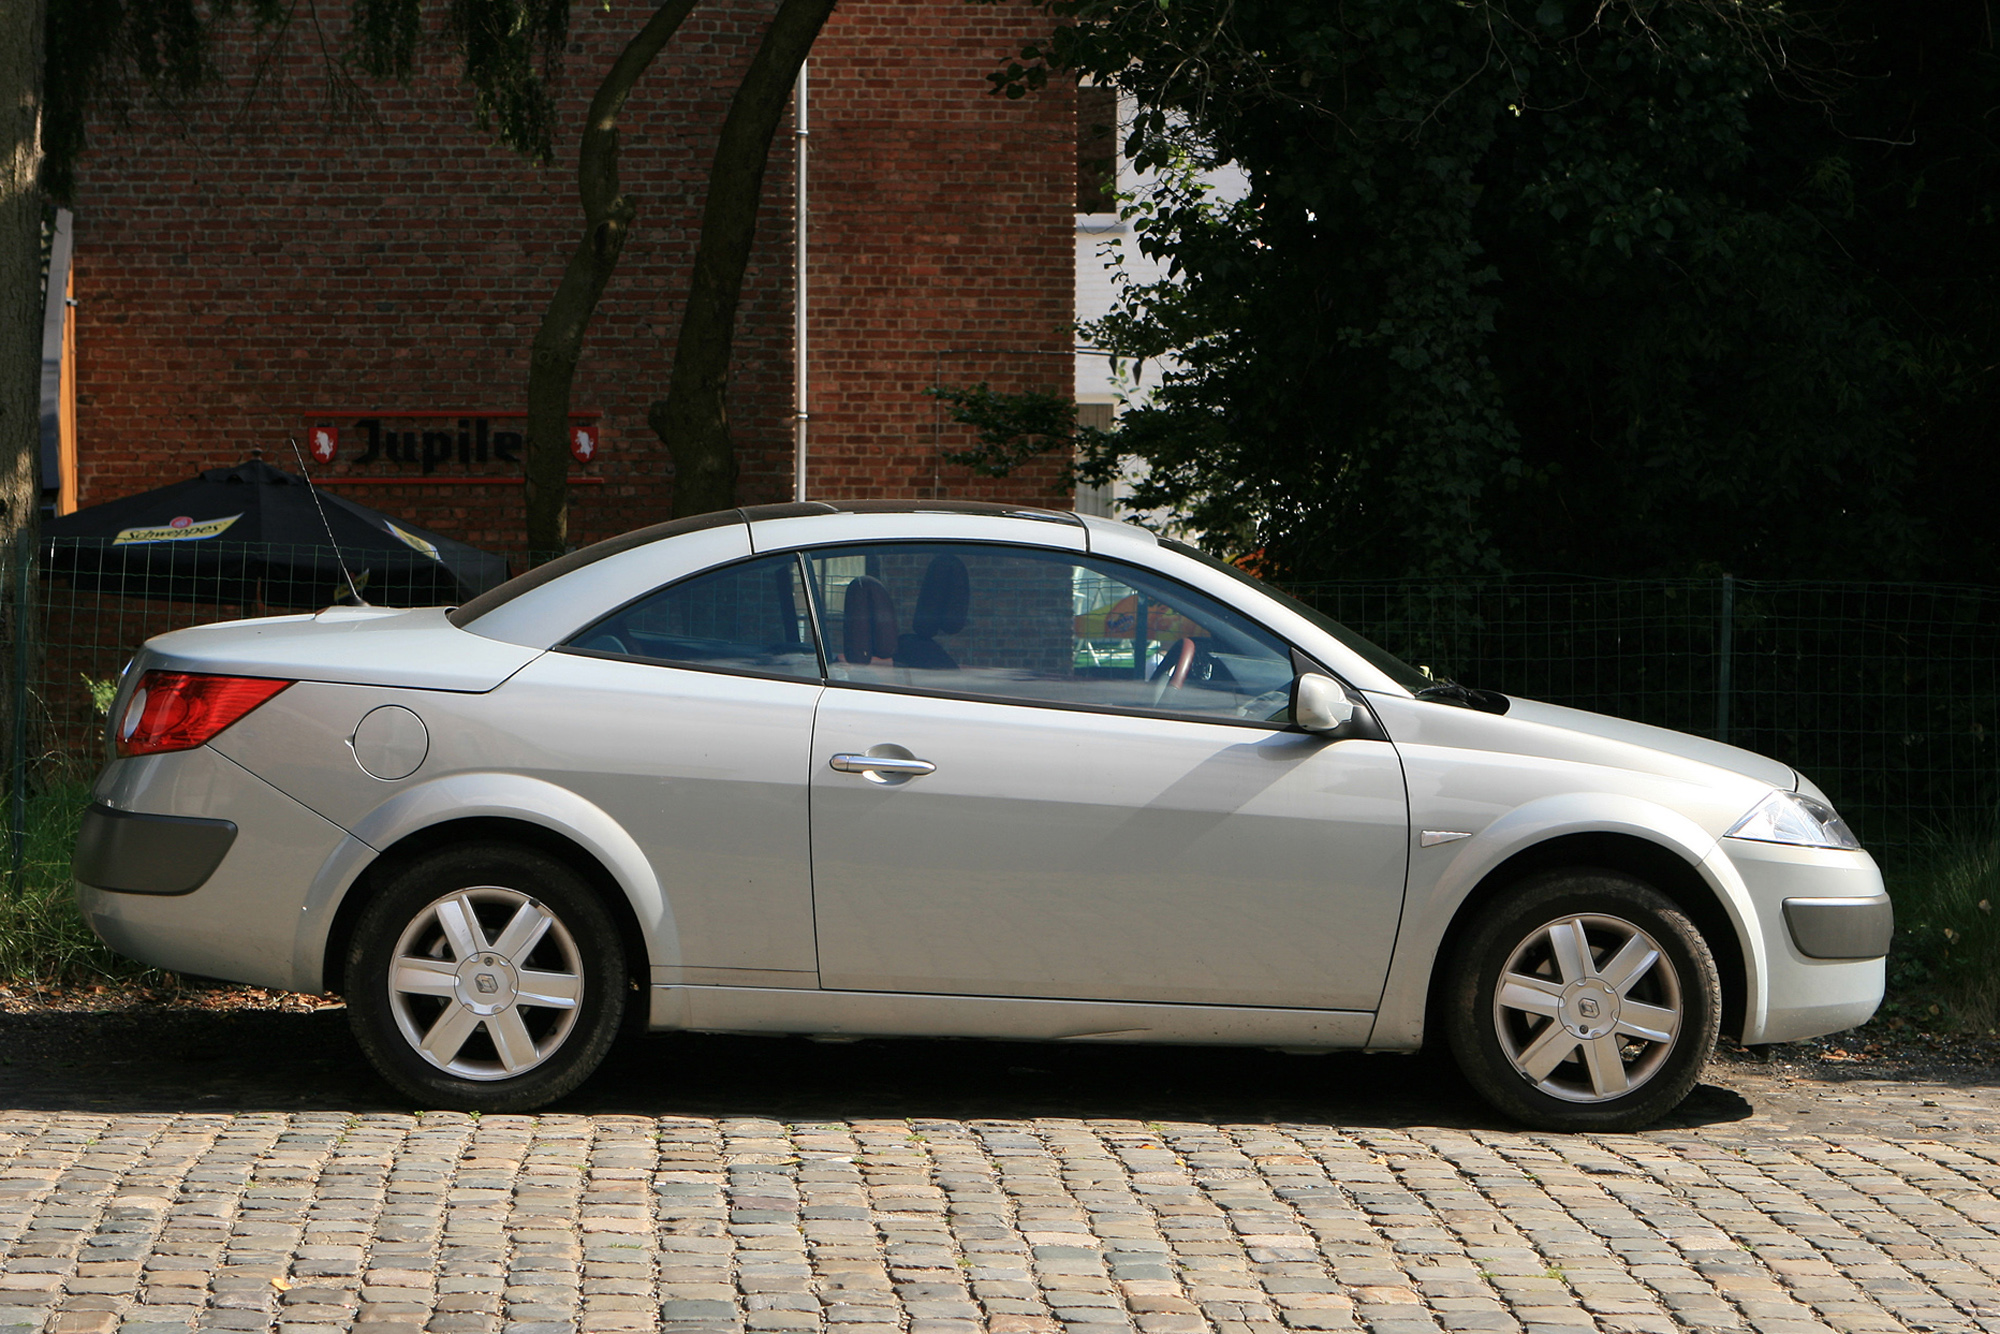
<point x="751" y="617"/>
<point x="1043" y="627"/>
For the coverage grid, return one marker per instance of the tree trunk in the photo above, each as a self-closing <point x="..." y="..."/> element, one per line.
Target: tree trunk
<point x="693" y="420"/>
<point x="608" y="215"/>
<point x="21" y="309"/>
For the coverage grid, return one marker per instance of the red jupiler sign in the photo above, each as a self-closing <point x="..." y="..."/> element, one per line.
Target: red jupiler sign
<point x="432" y="442"/>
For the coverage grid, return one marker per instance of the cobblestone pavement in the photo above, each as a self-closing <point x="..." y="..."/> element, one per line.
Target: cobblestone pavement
<point x="245" y="1173"/>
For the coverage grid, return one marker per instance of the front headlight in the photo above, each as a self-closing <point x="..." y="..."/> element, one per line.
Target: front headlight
<point x="1792" y="817"/>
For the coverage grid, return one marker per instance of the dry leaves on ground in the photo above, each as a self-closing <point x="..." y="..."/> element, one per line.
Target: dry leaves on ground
<point x="105" y="997"/>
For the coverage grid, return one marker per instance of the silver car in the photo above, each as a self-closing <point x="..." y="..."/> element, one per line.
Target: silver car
<point x="953" y="770"/>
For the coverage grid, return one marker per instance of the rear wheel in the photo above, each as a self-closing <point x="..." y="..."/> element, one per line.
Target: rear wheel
<point x="1583" y="1000"/>
<point x="486" y="978"/>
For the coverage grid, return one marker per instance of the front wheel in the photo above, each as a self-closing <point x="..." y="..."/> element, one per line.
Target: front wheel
<point x="1583" y="1000"/>
<point x="486" y="978"/>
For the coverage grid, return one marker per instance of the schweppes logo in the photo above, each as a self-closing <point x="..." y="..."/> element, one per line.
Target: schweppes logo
<point x="416" y="543"/>
<point x="182" y="529"/>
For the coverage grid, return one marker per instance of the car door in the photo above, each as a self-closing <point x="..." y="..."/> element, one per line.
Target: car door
<point x="687" y="717"/>
<point x="1042" y="774"/>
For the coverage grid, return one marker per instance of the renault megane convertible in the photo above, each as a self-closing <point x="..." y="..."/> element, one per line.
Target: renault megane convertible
<point x="953" y="770"/>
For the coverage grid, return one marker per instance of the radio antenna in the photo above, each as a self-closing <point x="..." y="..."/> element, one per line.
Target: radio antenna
<point x="325" y="522"/>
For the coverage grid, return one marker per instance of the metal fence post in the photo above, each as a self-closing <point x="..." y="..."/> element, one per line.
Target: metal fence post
<point x="1725" y="654"/>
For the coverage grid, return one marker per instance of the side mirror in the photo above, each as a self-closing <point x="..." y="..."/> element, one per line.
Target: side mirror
<point x="1319" y="704"/>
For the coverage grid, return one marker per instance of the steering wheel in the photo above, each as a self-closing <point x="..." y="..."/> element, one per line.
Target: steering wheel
<point x="1172" y="673"/>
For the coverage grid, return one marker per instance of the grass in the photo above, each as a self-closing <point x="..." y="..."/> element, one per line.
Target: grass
<point x="1944" y="968"/>
<point x="43" y="939"/>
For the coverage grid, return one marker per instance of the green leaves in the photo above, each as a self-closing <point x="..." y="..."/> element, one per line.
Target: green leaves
<point x="107" y="52"/>
<point x="1012" y="429"/>
<point x="1499" y="272"/>
<point x="512" y="50"/>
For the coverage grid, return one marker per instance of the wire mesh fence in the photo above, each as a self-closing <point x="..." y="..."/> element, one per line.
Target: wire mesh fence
<point x="1887" y="695"/>
<point x="89" y="604"/>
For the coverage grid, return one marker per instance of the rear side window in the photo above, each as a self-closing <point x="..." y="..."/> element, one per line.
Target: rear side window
<point x="751" y="617"/>
<point x="495" y="598"/>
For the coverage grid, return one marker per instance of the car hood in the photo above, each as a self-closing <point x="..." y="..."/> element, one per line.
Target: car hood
<point x="1701" y="749"/>
<point x="418" y="649"/>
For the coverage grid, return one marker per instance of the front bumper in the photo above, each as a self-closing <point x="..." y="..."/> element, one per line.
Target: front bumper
<point x="1824" y="923"/>
<point x="1850" y="928"/>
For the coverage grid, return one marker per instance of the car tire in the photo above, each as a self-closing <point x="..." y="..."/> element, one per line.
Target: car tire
<point x="1582" y="1000"/>
<point x="486" y="978"/>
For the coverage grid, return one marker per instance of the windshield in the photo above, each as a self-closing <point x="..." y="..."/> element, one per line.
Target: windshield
<point x="1376" y="656"/>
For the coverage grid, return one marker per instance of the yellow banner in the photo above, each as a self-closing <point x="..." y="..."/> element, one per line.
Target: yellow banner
<point x="175" y="532"/>
<point x="416" y="543"/>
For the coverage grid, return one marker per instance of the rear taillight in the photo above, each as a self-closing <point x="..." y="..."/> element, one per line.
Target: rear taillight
<point x="182" y="710"/>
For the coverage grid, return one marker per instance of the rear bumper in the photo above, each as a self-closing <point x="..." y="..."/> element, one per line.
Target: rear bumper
<point x="131" y="853"/>
<point x="241" y="916"/>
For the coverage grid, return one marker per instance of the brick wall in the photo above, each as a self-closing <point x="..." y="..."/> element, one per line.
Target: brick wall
<point x="235" y="273"/>
<point x="941" y="225"/>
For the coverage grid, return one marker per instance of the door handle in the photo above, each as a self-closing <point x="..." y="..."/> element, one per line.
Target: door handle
<point x="882" y="764"/>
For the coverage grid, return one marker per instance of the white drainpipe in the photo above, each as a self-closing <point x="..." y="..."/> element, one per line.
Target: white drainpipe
<point x="799" y="137"/>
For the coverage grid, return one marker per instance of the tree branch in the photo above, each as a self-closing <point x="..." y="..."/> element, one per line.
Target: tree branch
<point x="558" y="342"/>
<point x="693" y="420"/>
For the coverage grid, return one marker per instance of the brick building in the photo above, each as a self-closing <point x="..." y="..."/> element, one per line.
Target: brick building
<point x="245" y="275"/>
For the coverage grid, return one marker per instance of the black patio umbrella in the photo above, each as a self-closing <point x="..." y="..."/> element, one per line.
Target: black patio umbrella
<point x="254" y="533"/>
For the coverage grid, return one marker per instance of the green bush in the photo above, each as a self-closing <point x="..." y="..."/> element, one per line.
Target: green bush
<point x="1945" y="963"/>
<point x="43" y="939"/>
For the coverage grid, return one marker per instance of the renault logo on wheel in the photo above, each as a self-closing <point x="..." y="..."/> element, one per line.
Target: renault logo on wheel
<point x="1585" y="1006"/>
<point x="486" y="984"/>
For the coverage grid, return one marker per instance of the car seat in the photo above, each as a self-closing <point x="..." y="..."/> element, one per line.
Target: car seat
<point x="942" y="604"/>
<point x="868" y="622"/>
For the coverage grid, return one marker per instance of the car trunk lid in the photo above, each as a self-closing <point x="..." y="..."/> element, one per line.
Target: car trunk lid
<point x="417" y="648"/>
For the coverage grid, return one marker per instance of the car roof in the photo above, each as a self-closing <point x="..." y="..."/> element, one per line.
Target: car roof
<point x="747" y="518"/>
<point x="799" y="509"/>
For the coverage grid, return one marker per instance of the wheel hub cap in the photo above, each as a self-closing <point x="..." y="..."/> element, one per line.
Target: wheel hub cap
<point x="1588" y="1009"/>
<point x="487" y="984"/>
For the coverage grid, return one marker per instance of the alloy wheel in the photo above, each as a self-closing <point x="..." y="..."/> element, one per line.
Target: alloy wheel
<point x="485" y="983"/>
<point x="1587" y="1008"/>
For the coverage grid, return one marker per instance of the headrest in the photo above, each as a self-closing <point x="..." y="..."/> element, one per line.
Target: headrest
<point x="944" y="599"/>
<point x="868" y="621"/>
<point x="784" y="604"/>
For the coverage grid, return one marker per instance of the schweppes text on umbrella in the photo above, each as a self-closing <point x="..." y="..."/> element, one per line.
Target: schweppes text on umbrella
<point x="183" y="529"/>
